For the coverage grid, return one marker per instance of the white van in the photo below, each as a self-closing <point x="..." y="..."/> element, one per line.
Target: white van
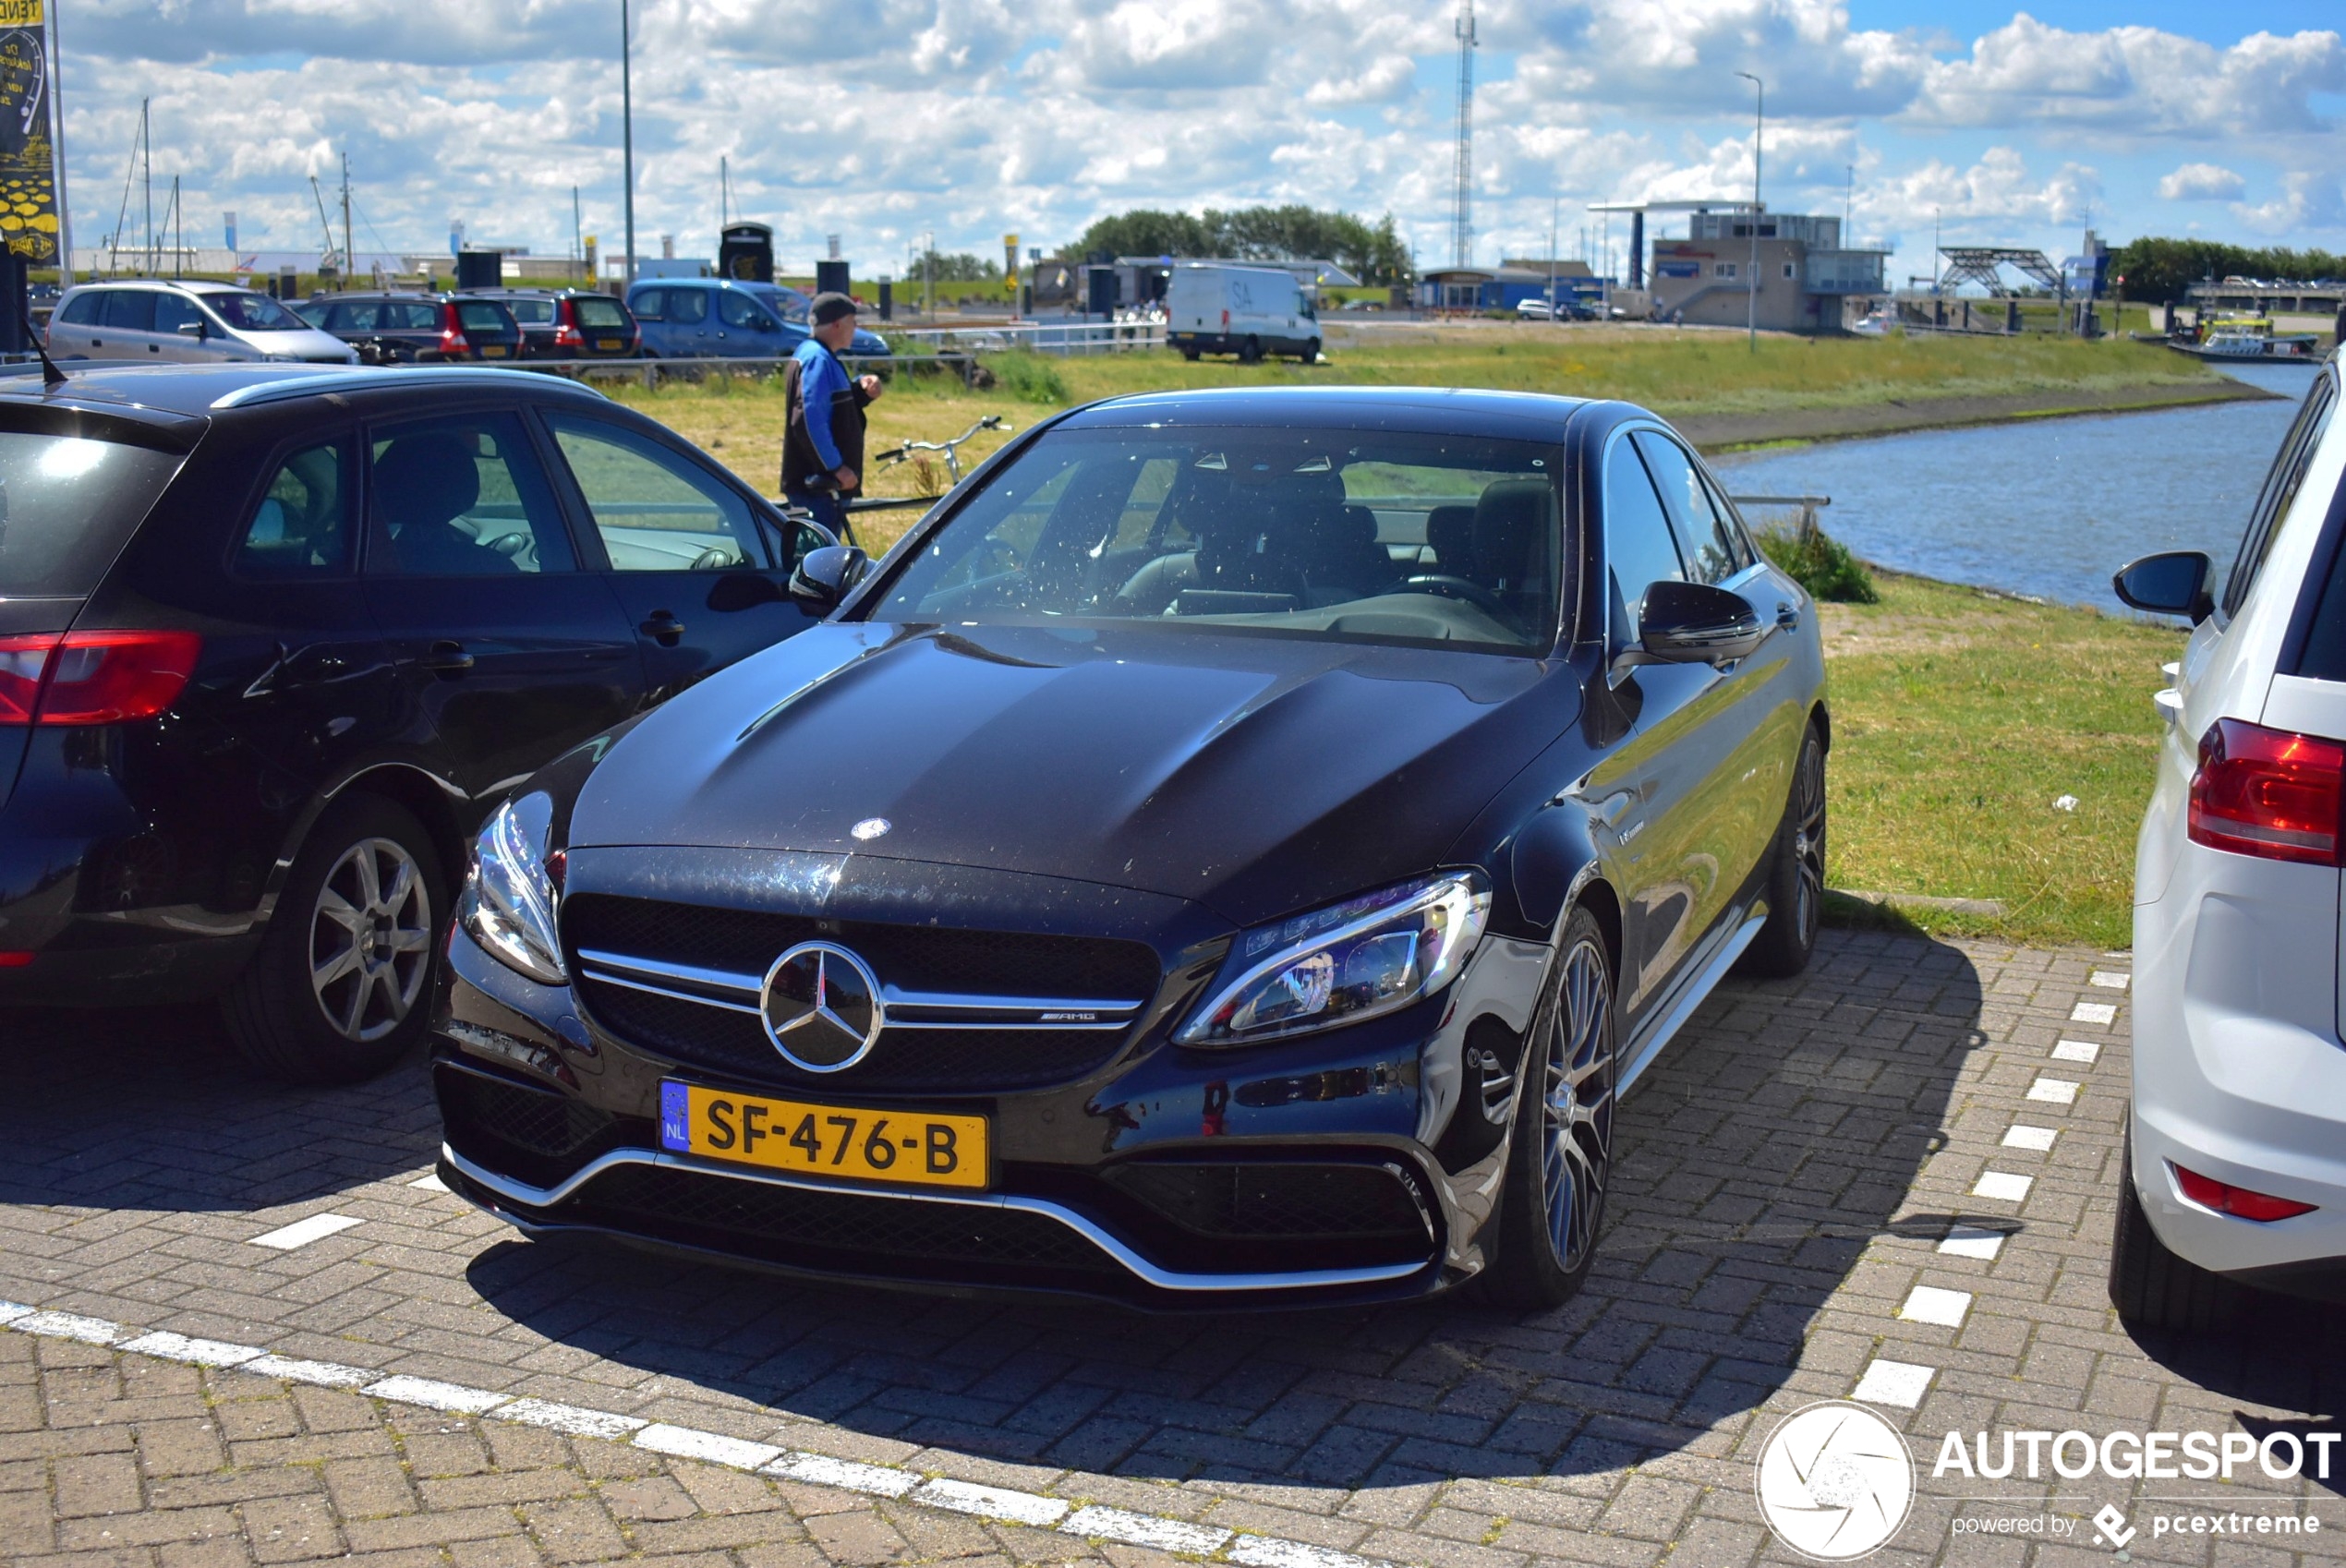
<point x="1249" y="311"/>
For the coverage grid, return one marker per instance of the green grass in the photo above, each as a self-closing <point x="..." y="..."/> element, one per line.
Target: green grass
<point x="1959" y="717"/>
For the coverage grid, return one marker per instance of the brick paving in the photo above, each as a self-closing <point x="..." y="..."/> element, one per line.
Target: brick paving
<point x="1806" y="1203"/>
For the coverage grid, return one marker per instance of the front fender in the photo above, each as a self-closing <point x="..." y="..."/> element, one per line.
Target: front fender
<point x="1551" y="859"/>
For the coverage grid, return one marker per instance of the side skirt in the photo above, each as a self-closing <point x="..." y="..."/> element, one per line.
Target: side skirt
<point x="1699" y="985"/>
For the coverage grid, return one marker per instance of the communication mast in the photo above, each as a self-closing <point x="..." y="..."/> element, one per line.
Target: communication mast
<point x="1462" y="176"/>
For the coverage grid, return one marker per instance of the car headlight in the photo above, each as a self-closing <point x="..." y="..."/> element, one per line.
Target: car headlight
<point x="1350" y="962"/>
<point x="509" y="900"/>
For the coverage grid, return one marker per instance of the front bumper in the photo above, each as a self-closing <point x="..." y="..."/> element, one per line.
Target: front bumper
<point x="2239" y="1074"/>
<point x="1356" y="1165"/>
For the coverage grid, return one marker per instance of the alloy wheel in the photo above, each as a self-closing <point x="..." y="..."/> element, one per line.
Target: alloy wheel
<point x="371" y="939"/>
<point x="1809" y="839"/>
<point x="1576" y="1151"/>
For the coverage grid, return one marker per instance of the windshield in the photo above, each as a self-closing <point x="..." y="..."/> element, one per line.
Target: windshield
<point x="1326" y="533"/>
<point x="531" y="312"/>
<point x="479" y="316"/>
<point x="67" y="504"/>
<point x="594" y="312"/>
<point x="254" y="313"/>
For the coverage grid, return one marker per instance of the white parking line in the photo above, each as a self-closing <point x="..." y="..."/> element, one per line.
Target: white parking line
<point x="1893" y="1383"/>
<point x="2094" y="1012"/>
<point x="991" y="1502"/>
<point x="2003" y="1186"/>
<point x="301" y="1233"/>
<point x="2019" y="1136"/>
<point x="1928" y="1303"/>
<point x="1973" y="1241"/>
<point x="429" y="1182"/>
<point x="2082" y="1052"/>
<point x="2053" y="1091"/>
<point x="2111" y="979"/>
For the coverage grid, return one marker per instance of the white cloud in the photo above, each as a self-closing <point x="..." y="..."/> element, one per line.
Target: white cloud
<point x="2308" y="201"/>
<point x="2202" y="182"/>
<point x="1996" y="191"/>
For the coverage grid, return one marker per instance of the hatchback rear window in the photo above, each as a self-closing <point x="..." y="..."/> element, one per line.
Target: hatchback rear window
<point x="599" y="313"/>
<point x="533" y="312"/>
<point x="481" y="317"/>
<point x="67" y="505"/>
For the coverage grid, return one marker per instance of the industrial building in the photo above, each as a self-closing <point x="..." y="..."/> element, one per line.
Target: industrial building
<point x="1506" y="286"/>
<point x="1806" y="278"/>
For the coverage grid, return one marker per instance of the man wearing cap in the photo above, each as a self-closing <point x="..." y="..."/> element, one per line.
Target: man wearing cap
<point x="823" y="449"/>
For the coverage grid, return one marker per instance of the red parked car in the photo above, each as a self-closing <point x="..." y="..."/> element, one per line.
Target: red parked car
<point x="411" y="329"/>
<point x="570" y="323"/>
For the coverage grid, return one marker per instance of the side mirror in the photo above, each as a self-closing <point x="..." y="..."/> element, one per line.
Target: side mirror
<point x="190" y="330"/>
<point x="825" y="575"/>
<point x="2175" y="582"/>
<point x="1697" y="624"/>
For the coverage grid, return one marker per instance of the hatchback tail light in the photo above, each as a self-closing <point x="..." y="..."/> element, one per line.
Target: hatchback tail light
<point x="451" y="331"/>
<point x="567" y="333"/>
<point x="94" y="677"/>
<point x="2268" y="793"/>
<point x="2240" y="1203"/>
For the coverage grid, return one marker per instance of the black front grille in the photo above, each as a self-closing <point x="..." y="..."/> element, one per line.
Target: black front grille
<point x="912" y="957"/>
<point x="1263" y="1201"/>
<point x="835" y="1230"/>
<point x="539" y="1134"/>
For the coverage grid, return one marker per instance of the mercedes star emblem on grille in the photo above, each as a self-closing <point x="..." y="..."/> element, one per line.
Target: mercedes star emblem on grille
<point x="822" y="1007"/>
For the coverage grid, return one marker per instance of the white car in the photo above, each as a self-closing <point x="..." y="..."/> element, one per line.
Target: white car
<point x="2235" y="1173"/>
<point x="159" y="319"/>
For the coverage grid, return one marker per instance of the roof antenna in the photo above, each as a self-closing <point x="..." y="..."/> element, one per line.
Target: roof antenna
<point x="51" y="376"/>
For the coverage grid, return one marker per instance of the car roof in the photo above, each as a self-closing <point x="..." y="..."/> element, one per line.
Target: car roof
<point x="198" y="390"/>
<point x="192" y="285"/>
<point x="1435" y="410"/>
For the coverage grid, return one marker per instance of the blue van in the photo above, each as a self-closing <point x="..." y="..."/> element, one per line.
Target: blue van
<point x="725" y="318"/>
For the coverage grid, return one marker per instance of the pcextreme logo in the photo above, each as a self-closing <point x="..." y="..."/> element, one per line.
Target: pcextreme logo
<point x="1835" y="1481"/>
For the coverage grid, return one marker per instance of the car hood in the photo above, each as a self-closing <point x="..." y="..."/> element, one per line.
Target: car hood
<point x="1255" y="774"/>
<point x="307" y="342"/>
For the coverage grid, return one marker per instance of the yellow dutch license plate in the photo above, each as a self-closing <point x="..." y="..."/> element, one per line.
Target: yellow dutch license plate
<point x="609" y="345"/>
<point x="844" y="1143"/>
<point x="492" y="351"/>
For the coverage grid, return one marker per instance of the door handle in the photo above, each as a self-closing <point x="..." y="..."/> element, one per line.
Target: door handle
<point x="663" y="627"/>
<point x="446" y="657"/>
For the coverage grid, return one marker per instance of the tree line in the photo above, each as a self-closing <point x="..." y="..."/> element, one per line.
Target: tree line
<point x="2160" y="271"/>
<point x="1373" y="254"/>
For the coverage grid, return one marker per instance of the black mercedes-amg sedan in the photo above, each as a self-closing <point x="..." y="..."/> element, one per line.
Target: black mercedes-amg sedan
<point x="1238" y="849"/>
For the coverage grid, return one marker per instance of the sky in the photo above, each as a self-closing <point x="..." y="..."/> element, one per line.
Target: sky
<point x="887" y="121"/>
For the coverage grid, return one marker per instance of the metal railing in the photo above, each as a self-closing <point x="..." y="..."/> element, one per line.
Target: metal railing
<point x="1809" y="506"/>
<point x="1042" y="337"/>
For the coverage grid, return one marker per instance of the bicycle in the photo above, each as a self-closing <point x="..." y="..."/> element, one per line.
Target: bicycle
<point x="953" y="456"/>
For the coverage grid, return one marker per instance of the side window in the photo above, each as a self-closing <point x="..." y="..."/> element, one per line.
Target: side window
<point x="1147" y="500"/>
<point x="655" y="512"/>
<point x="173" y="311"/>
<point x="302" y="527"/>
<point x="2281" y="484"/>
<point x="410" y="316"/>
<point x="1638" y="545"/>
<point x="687" y="306"/>
<point x="81" y="310"/>
<point x="646" y="305"/>
<point x="130" y="309"/>
<point x="1731" y="523"/>
<point x="1704" y="538"/>
<point x="737" y="310"/>
<point x="462" y="496"/>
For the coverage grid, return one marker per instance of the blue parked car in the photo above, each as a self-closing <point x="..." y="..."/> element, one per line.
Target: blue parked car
<point x="725" y="318"/>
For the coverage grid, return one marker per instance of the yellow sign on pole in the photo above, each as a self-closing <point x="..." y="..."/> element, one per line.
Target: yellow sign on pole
<point x="27" y="157"/>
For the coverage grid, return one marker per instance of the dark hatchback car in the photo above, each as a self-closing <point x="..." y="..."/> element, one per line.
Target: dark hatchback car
<point x="418" y="328"/>
<point x="273" y="639"/>
<point x="570" y="323"/>
<point x="1235" y="850"/>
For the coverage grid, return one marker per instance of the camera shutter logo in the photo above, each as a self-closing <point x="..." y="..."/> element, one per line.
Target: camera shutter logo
<point x="1835" y="1481"/>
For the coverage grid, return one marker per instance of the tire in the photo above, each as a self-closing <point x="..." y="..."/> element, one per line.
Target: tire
<point x="1560" y="1149"/>
<point x="1190" y="355"/>
<point x="2150" y="1286"/>
<point x="1310" y="355"/>
<point x="372" y="861"/>
<point x="1251" y="352"/>
<point x="1796" y="874"/>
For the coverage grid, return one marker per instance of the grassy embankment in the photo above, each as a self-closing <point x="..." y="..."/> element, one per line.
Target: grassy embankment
<point x="1959" y="716"/>
<point x="1673" y="373"/>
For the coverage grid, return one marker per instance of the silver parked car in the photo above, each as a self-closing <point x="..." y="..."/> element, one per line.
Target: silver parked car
<point x="156" y="319"/>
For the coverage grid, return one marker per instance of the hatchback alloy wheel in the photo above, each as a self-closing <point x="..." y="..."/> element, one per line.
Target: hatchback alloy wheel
<point x="1809" y="839"/>
<point x="1576" y="1105"/>
<point x="371" y="939"/>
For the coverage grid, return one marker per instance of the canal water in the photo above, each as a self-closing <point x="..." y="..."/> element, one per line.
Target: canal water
<point x="2044" y="507"/>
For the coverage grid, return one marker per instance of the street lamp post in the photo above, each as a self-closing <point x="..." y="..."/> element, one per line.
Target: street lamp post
<point x="627" y="140"/>
<point x="1759" y="123"/>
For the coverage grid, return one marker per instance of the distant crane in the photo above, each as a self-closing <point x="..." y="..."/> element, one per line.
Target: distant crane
<point x="1462" y="174"/>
